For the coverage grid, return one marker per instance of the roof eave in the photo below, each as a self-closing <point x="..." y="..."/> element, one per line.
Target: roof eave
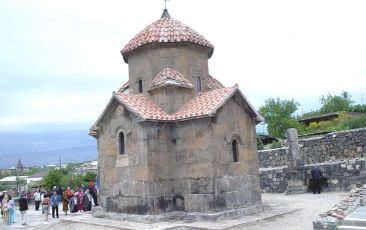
<point x="114" y="97"/>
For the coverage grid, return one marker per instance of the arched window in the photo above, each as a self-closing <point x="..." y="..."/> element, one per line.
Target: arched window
<point x="198" y="84"/>
<point x="140" y="86"/>
<point x="235" y="150"/>
<point x="121" y="142"/>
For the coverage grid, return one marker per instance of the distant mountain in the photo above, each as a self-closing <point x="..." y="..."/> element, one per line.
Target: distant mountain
<point x="42" y="147"/>
<point x="74" y="154"/>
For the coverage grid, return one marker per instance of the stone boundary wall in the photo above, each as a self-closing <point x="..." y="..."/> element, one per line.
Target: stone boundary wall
<point x="273" y="157"/>
<point x="273" y="180"/>
<point x="341" y="145"/>
<point x="341" y="175"/>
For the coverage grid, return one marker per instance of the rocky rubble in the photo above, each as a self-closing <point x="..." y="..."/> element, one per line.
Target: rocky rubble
<point x="332" y="218"/>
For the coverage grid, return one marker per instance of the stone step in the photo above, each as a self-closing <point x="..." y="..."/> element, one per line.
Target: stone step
<point x="347" y="227"/>
<point x="353" y="221"/>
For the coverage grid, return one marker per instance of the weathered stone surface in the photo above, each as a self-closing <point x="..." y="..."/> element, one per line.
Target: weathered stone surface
<point x="333" y="146"/>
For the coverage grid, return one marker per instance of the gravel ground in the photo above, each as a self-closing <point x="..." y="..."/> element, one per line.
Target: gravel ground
<point x="310" y="206"/>
<point x="307" y="207"/>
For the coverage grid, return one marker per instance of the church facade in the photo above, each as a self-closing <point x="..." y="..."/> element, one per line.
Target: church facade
<point x="173" y="138"/>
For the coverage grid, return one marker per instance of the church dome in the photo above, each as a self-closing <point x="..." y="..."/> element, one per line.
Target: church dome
<point x="164" y="31"/>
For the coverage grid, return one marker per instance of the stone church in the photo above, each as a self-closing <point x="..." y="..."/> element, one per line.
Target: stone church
<point x="173" y="138"/>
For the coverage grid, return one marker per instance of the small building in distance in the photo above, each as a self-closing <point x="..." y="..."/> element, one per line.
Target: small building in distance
<point x="89" y="166"/>
<point x="20" y="168"/>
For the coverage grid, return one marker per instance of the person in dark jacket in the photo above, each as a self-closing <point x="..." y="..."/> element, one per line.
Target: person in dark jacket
<point x="23" y="207"/>
<point x="54" y="204"/>
<point x="316" y="176"/>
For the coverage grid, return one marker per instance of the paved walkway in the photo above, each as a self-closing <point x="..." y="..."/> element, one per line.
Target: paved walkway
<point x="284" y="213"/>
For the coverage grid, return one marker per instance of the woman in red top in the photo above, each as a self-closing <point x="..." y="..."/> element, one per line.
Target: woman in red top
<point x="80" y="200"/>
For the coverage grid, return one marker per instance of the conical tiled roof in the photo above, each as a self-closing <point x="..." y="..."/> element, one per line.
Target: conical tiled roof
<point x="165" y="30"/>
<point x="169" y="76"/>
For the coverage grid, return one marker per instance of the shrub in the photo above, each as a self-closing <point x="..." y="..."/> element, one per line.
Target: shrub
<point x="260" y="145"/>
<point x="275" y="145"/>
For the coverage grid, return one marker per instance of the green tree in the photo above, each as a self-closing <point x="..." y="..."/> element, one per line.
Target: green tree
<point x="278" y="115"/>
<point x="260" y="145"/>
<point x="89" y="176"/>
<point x="55" y="177"/>
<point x="76" y="181"/>
<point x="336" y="103"/>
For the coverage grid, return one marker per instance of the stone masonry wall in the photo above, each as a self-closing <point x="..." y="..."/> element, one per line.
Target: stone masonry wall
<point x="337" y="145"/>
<point x="341" y="175"/>
<point x="333" y="146"/>
<point x="273" y="157"/>
<point x="185" y="166"/>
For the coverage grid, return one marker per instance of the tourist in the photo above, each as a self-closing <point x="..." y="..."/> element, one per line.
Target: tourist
<point x="66" y="195"/>
<point x="9" y="208"/>
<point x="1" y="203"/>
<point x="46" y="203"/>
<point x="37" y="198"/>
<point x="60" y="190"/>
<point x="54" y="204"/>
<point x="80" y="197"/>
<point x="87" y="201"/>
<point x="93" y="193"/>
<point x="316" y="176"/>
<point x="4" y="207"/>
<point x="73" y="202"/>
<point x="23" y="207"/>
<point x="29" y="196"/>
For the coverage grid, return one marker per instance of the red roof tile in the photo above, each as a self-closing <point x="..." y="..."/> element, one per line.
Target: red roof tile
<point x="170" y="76"/>
<point x="205" y="104"/>
<point x="142" y="107"/>
<point x="164" y="30"/>
<point x="213" y="83"/>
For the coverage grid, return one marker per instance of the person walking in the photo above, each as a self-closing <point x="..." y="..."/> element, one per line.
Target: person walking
<point x="13" y="211"/>
<point x="80" y="197"/>
<point x="66" y="195"/>
<point x="1" y="203"/>
<point x="37" y="199"/>
<point x="4" y="207"/>
<point x="316" y="176"/>
<point x="54" y="204"/>
<point x="23" y="207"/>
<point x="10" y="206"/>
<point x="46" y="203"/>
<point x="87" y="201"/>
<point x="28" y="196"/>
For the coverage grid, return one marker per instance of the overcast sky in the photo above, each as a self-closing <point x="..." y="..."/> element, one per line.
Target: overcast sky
<point x="60" y="60"/>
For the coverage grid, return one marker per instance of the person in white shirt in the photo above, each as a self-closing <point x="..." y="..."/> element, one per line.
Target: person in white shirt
<point x="37" y="198"/>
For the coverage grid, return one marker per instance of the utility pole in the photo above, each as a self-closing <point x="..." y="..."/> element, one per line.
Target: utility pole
<point x="59" y="159"/>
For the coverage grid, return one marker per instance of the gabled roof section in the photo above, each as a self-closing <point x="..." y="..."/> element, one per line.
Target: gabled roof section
<point x="165" y="30"/>
<point x="169" y="76"/>
<point x="141" y="107"/>
<point x="213" y="83"/>
<point x="204" y="105"/>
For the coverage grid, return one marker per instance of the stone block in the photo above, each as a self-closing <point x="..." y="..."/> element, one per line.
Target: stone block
<point x="197" y="202"/>
<point x="241" y="168"/>
<point x="200" y="170"/>
<point x="201" y="186"/>
<point x="140" y="173"/>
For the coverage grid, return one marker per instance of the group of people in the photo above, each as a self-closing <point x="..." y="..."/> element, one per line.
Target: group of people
<point x="81" y="199"/>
